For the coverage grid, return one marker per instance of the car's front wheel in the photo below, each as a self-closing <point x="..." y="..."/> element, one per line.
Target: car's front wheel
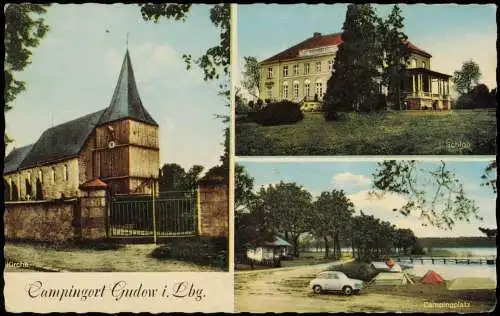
<point x="317" y="289"/>
<point x="347" y="290"/>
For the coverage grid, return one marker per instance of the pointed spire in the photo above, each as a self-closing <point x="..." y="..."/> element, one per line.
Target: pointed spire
<point x="126" y="102"/>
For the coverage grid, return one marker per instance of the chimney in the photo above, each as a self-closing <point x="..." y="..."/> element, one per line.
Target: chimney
<point x="316" y="34"/>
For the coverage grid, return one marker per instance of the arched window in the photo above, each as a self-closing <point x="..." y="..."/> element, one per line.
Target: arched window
<point x="15" y="192"/>
<point x="413" y="63"/>
<point x="53" y="176"/>
<point x="29" y="191"/>
<point x="66" y="175"/>
<point x="39" y="191"/>
<point x="7" y="194"/>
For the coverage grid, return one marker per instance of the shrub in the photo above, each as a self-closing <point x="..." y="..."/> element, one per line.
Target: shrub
<point x="199" y="250"/>
<point x="259" y="104"/>
<point x="283" y="112"/>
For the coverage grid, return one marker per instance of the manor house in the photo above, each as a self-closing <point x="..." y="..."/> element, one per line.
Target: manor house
<point x="300" y="73"/>
<point x="118" y="145"/>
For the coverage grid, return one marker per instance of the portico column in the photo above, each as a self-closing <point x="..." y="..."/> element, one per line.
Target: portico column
<point x="413" y="85"/>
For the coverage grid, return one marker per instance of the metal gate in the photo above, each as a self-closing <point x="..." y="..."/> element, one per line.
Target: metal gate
<point x="167" y="214"/>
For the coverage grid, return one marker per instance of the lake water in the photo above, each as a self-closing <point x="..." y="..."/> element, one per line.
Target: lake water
<point x="453" y="270"/>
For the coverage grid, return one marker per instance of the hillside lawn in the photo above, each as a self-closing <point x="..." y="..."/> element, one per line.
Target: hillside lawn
<point x="456" y="132"/>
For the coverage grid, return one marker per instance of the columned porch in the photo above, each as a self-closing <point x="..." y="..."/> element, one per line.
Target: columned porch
<point x="428" y="89"/>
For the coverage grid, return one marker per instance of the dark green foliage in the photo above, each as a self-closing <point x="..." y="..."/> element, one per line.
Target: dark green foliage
<point x="479" y="97"/>
<point x="467" y="77"/>
<point x="452" y="242"/>
<point x="355" y="80"/>
<point x="174" y="178"/>
<point x="397" y="53"/>
<point x="283" y="112"/>
<point x="200" y="250"/>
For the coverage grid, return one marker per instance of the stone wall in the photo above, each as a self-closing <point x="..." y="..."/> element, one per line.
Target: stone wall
<point x="214" y="208"/>
<point x="81" y="218"/>
<point x="41" y="221"/>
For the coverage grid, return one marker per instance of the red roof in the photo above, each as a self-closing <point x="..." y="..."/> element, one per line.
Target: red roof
<point x="94" y="184"/>
<point x="319" y="40"/>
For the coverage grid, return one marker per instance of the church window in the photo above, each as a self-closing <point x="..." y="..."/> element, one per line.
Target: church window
<point x="53" y="176"/>
<point x="66" y="175"/>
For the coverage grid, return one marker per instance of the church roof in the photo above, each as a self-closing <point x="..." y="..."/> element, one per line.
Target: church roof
<point x="126" y="102"/>
<point x="62" y="141"/>
<point x="15" y="158"/>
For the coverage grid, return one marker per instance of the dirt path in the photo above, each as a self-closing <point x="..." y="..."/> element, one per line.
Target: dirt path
<point x="286" y="290"/>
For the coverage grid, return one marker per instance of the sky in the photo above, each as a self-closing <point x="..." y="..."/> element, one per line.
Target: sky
<point x="355" y="177"/>
<point x="451" y="33"/>
<point x="75" y="68"/>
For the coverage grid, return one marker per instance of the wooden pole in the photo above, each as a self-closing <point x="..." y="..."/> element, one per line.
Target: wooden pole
<point x="154" y="211"/>
<point x="198" y="206"/>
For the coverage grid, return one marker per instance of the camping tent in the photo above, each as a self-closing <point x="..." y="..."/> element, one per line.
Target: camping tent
<point x="471" y="284"/>
<point x="431" y="277"/>
<point x="391" y="278"/>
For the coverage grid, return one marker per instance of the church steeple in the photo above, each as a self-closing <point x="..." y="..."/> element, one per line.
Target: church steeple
<point x="126" y="102"/>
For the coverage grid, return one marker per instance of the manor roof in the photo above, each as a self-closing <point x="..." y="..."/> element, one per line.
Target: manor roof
<point x="318" y="40"/>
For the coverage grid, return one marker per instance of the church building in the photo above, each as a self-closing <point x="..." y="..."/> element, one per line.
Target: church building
<point x="118" y="145"/>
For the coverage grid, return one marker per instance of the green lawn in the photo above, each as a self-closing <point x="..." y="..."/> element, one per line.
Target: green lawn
<point x="458" y="132"/>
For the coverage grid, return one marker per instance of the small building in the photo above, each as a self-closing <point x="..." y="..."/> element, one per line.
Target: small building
<point x="300" y="73"/>
<point x="269" y="250"/>
<point x="118" y="145"/>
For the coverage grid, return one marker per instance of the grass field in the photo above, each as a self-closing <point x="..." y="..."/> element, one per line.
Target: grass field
<point x="459" y="132"/>
<point x="125" y="258"/>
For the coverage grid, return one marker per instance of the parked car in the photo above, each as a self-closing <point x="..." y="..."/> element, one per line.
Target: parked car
<point x="335" y="281"/>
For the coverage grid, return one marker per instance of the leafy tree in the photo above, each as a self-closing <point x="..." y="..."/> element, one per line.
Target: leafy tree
<point x="479" y="97"/>
<point x="404" y="239"/>
<point x="397" y="54"/>
<point x="174" y="178"/>
<point x="285" y="208"/>
<point x="436" y="196"/>
<point x="467" y="77"/>
<point x="489" y="180"/>
<point x="355" y="80"/>
<point x="251" y="76"/>
<point x="243" y="188"/>
<point x="489" y="232"/>
<point x="24" y="28"/>
<point x="331" y="213"/>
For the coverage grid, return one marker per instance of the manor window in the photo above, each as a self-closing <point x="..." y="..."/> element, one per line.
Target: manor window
<point x="295" y="70"/>
<point x="270" y="92"/>
<point x="307" y="69"/>
<point x="285" y="71"/>
<point x="330" y="65"/>
<point x="319" y="89"/>
<point x="285" y="90"/>
<point x="318" y="66"/>
<point x="269" y="73"/>
<point x="307" y="89"/>
<point x="296" y="90"/>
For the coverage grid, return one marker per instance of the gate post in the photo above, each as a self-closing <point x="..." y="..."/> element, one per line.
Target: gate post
<point x="213" y="206"/>
<point x="94" y="210"/>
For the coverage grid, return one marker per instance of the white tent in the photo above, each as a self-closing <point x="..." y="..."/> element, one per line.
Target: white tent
<point x="471" y="284"/>
<point x="391" y="278"/>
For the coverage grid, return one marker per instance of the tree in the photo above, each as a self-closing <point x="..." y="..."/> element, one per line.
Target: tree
<point x="331" y="213"/>
<point x="174" y="178"/>
<point x="478" y="97"/>
<point x="285" y="208"/>
<point x="251" y="76"/>
<point x="489" y="180"/>
<point x="436" y="196"/>
<point x="467" y="77"/>
<point x="355" y="80"/>
<point x="243" y="188"/>
<point x="396" y="56"/>
<point x="24" y="28"/>
<point x="489" y="232"/>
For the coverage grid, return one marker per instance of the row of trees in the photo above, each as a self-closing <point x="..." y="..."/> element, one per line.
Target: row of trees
<point x="472" y="93"/>
<point x="289" y="210"/>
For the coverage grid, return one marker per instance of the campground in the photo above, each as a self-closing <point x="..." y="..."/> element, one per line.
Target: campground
<point x="286" y="290"/>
